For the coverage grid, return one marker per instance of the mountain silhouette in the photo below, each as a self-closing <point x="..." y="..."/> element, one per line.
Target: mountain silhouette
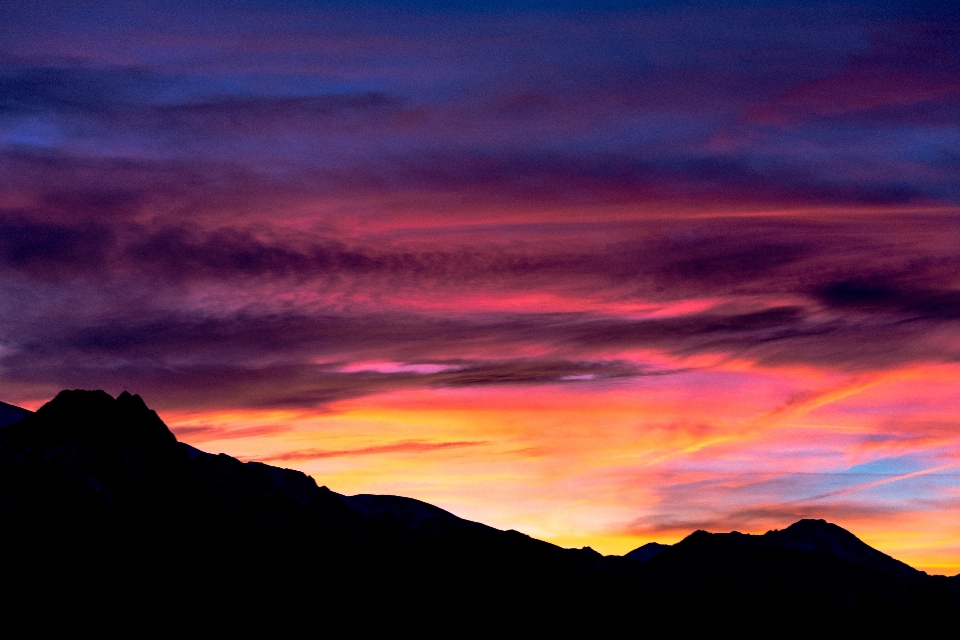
<point x="10" y="414"/>
<point x="101" y="504"/>
<point x="822" y="537"/>
<point x="646" y="551"/>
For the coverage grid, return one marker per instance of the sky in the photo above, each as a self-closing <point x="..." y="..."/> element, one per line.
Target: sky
<point x="601" y="272"/>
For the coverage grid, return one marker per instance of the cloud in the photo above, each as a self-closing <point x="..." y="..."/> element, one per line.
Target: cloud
<point x="267" y="355"/>
<point x="882" y="481"/>
<point x="896" y="296"/>
<point x="614" y="115"/>
<point x="280" y="198"/>
<point x="902" y="69"/>
<point x="403" y="447"/>
<point x="48" y="250"/>
<point x="132" y="248"/>
<point x="257" y="115"/>
<point x="272" y="360"/>
<point x="525" y="371"/>
<point x="138" y="98"/>
<point x="206" y="433"/>
<point x="81" y="91"/>
<point x="757" y="519"/>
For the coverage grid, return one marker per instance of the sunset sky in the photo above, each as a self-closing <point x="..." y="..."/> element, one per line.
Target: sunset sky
<point x="602" y="272"/>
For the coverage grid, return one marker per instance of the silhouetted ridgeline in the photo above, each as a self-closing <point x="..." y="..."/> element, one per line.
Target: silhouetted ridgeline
<point x="10" y="414"/>
<point x="103" y="510"/>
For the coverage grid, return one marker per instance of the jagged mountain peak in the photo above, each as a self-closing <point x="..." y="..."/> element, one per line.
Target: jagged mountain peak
<point x="80" y="403"/>
<point x="86" y="448"/>
<point x="97" y="417"/>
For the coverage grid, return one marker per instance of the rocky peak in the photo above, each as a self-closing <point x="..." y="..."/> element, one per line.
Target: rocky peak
<point x="96" y="418"/>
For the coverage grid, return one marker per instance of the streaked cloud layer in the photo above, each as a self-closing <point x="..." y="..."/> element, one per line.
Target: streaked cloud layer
<point x="604" y="273"/>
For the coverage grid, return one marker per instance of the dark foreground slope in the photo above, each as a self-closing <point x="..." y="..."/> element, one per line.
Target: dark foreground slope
<point x="10" y="414"/>
<point x="103" y="510"/>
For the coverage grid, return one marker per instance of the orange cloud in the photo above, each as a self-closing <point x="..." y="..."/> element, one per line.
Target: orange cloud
<point x="406" y="446"/>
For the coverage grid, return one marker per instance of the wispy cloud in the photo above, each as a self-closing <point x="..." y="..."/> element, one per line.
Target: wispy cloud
<point x="206" y="433"/>
<point x="876" y="483"/>
<point x="403" y="447"/>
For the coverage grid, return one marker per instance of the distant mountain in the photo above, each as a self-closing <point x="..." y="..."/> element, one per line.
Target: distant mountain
<point x="101" y="504"/>
<point x="814" y="557"/>
<point x="812" y="537"/>
<point x="10" y="414"/>
<point x="822" y="537"/>
<point x="646" y="552"/>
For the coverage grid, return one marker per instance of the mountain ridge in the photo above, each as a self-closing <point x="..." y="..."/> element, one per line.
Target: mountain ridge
<point x="109" y="473"/>
<point x="806" y="534"/>
<point x="10" y="414"/>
